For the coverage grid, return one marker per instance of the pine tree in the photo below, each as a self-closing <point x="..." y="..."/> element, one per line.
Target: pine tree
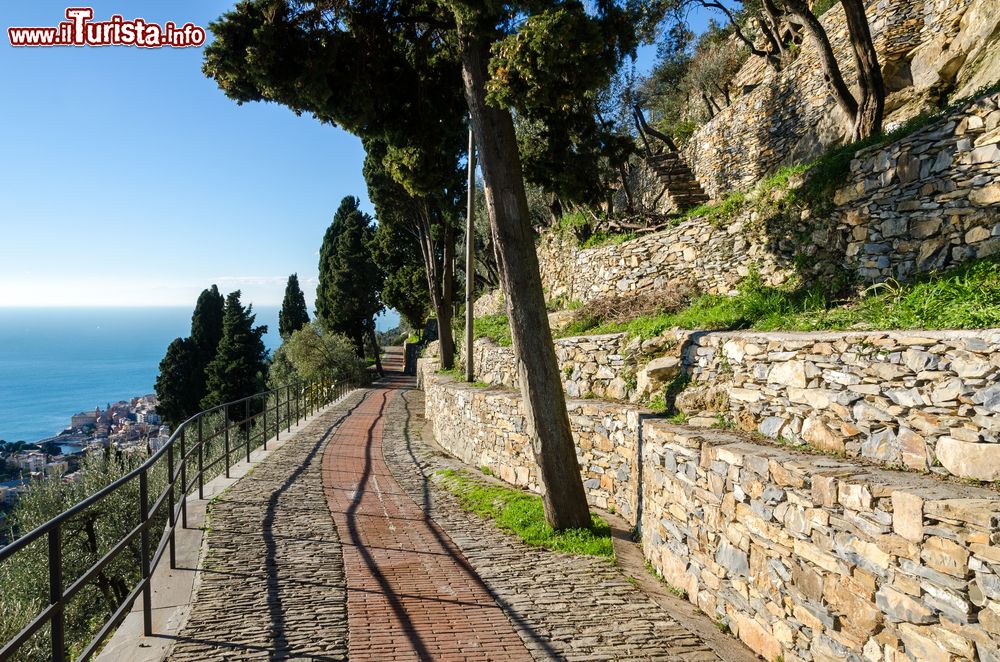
<point x="239" y="368"/>
<point x="293" y="315"/>
<point x="350" y="280"/>
<point x="206" y="332"/>
<point x="175" y="385"/>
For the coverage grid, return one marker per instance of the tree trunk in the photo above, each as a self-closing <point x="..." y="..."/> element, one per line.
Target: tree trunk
<point x="541" y="387"/>
<point x="442" y="310"/>
<point x="373" y="339"/>
<point x="871" y="104"/>
<point x="799" y="10"/>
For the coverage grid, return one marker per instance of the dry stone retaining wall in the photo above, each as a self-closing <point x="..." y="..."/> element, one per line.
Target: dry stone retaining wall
<point x="926" y="202"/>
<point x="924" y="400"/>
<point x="487" y="428"/>
<point x="804" y="557"/>
<point x="814" y="558"/>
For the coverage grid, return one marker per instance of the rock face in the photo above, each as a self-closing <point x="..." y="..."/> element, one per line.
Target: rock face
<point x="929" y="49"/>
<point x="804" y="556"/>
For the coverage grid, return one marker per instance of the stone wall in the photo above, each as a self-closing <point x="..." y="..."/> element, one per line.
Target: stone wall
<point x="590" y="365"/>
<point x="924" y="400"/>
<point x="804" y="557"/>
<point x="814" y="558"/>
<point x="926" y="202"/>
<point x="927" y="48"/>
<point x="487" y="428"/>
<point x="696" y="252"/>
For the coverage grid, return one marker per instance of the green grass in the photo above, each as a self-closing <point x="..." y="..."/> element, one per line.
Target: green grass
<point x="521" y="513"/>
<point x="966" y="297"/>
<point x="495" y="327"/>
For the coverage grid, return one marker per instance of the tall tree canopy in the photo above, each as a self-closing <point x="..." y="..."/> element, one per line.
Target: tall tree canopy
<point x="350" y="281"/>
<point x="425" y="223"/>
<point x="206" y="332"/>
<point x="175" y="384"/>
<point x="239" y="368"/>
<point x="406" y="65"/>
<point x="293" y="315"/>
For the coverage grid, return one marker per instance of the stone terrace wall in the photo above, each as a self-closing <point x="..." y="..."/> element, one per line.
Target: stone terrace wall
<point x="915" y="399"/>
<point x="926" y="202"/>
<point x="813" y="558"/>
<point x="711" y="258"/>
<point x="926" y="400"/>
<point x="487" y="428"/>
<point x="789" y="116"/>
<point x="589" y="364"/>
<point x="805" y="557"/>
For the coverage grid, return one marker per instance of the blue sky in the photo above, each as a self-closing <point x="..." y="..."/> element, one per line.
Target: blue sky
<point x="129" y="179"/>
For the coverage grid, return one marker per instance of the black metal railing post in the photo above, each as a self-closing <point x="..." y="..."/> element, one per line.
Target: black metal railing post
<point x="147" y="589"/>
<point x="225" y="417"/>
<point x="288" y="407"/>
<point x="172" y="518"/>
<point x="184" y="481"/>
<point x="263" y="427"/>
<point x="55" y="595"/>
<point x="277" y="414"/>
<point x="201" y="459"/>
<point x="247" y="426"/>
<point x="298" y="400"/>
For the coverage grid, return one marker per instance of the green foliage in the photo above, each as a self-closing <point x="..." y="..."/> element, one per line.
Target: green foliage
<point x="239" y="368"/>
<point x="966" y="297"/>
<point x="495" y="327"/>
<point x="175" y="384"/>
<point x="347" y="297"/>
<point x="602" y="238"/>
<point x="823" y="6"/>
<point x="312" y="354"/>
<point x="206" y="332"/>
<point x="521" y="513"/>
<point x="293" y="315"/>
<point x="550" y="70"/>
<point x="85" y="539"/>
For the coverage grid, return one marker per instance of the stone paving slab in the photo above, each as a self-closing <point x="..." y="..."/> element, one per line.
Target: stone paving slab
<point x="564" y="607"/>
<point x="272" y="582"/>
<point x="343" y="545"/>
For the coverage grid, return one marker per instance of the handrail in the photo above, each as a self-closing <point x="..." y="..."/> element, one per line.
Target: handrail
<point x="180" y="483"/>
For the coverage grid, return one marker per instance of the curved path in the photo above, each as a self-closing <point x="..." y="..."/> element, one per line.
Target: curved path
<point x="342" y="545"/>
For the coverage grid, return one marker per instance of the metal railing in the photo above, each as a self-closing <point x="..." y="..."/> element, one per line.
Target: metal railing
<point x="190" y="458"/>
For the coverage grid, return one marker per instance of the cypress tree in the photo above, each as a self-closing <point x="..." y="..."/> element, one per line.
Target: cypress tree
<point x="350" y="280"/>
<point x="239" y="368"/>
<point x="293" y="315"/>
<point x="206" y="332"/>
<point x="175" y="385"/>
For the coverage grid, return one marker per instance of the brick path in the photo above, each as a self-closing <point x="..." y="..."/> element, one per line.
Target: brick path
<point x="343" y="545"/>
<point x="411" y="593"/>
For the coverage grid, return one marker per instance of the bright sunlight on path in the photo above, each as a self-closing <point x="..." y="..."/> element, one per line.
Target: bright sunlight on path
<point x="411" y="593"/>
<point x="342" y="545"/>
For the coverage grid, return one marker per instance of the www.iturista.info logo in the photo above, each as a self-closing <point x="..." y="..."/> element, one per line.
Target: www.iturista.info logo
<point x="81" y="30"/>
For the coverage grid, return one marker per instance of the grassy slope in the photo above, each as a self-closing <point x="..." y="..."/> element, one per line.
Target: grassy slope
<point x="521" y="513"/>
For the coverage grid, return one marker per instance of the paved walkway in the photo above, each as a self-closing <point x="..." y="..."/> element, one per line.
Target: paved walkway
<point x="343" y="545"/>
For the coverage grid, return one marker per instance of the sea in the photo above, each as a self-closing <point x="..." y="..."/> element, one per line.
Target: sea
<point x="55" y="362"/>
